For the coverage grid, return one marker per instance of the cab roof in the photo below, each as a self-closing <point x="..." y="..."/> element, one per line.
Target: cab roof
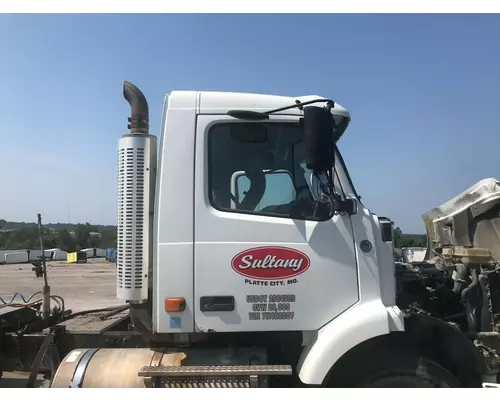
<point x="222" y="102"/>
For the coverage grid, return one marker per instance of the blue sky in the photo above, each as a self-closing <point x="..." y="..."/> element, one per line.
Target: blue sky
<point x="423" y="91"/>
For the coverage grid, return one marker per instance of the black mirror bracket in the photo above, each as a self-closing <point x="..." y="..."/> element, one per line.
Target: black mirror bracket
<point x="327" y="189"/>
<point x="350" y="206"/>
<point x="339" y="205"/>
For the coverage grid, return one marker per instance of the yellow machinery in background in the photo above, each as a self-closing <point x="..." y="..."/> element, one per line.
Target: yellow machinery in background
<point x="77" y="257"/>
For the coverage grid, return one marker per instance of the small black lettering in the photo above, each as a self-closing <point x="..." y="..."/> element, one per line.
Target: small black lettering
<point x="251" y="298"/>
<point x="272" y="307"/>
<point x="257" y="283"/>
<point x="277" y="298"/>
<point x="254" y="316"/>
<point x="259" y="307"/>
<point x="278" y="315"/>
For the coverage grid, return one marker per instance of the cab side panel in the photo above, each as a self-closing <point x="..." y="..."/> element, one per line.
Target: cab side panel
<point x="174" y="212"/>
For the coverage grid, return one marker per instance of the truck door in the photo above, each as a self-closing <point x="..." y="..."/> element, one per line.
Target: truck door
<point x="266" y="256"/>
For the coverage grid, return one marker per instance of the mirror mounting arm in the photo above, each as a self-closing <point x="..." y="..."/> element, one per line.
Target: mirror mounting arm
<point x="324" y="189"/>
<point x="350" y="206"/>
<point x="339" y="205"/>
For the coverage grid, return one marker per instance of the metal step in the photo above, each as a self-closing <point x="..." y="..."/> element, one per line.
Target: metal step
<point x="211" y="376"/>
<point x="206" y="382"/>
<point x="214" y="370"/>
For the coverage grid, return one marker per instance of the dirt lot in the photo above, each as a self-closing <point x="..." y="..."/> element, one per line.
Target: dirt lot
<point x="82" y="286"/>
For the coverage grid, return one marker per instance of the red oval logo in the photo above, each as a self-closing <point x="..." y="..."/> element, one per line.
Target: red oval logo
<point x="270" y="262"/>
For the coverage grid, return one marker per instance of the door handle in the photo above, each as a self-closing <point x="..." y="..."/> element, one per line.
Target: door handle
<point x="216" y="303"/>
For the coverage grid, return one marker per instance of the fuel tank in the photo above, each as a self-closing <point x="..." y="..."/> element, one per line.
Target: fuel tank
<point x="110" y="368"/>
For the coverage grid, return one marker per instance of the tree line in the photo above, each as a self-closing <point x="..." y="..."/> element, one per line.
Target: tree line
<point x="69" y="237"/>
<point x="16" y="236"/>
<point x="408" y="239"/>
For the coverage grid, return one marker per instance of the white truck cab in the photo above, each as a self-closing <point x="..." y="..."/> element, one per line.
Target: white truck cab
<point x="291" y="264"/>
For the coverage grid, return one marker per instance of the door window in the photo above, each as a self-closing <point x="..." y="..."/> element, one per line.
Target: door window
<point x="259" y="168"/>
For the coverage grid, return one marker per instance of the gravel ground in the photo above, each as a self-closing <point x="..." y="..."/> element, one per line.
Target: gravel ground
<point x="82" y="286"/>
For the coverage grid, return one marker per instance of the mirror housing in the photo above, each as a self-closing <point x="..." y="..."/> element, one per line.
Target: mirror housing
<point x="319" y="141"/>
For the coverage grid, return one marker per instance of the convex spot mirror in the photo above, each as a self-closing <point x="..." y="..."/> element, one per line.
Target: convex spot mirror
<point x="317" y="181"/>
<point x="248" y="132"/>
<point x="319" y="138"/>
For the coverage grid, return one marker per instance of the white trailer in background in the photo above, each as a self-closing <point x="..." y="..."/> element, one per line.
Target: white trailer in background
<point x="90" y="252"/>
<point x="100" y="253"/>
<point x="413" y="254"/>
<point x="59" y="255"/>
<point x="3" y="253"/>
<point x="17" y="257"/>
<point x="56" y="254"/>
<point x="95" y="252"/>
<point x="35" y="255"/>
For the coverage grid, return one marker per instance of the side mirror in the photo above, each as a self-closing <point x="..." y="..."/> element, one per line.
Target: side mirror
<point x="386" y="229"/>
<point x="319" y="140"/>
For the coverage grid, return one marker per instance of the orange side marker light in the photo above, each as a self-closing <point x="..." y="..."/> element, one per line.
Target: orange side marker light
<point x="175" y="304"/>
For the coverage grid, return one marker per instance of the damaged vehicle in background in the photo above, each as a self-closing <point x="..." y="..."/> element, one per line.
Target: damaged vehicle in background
<point x="459" y="279"/>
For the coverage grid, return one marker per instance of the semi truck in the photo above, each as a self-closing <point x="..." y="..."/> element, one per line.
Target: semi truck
<point x="246" y="258"/>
